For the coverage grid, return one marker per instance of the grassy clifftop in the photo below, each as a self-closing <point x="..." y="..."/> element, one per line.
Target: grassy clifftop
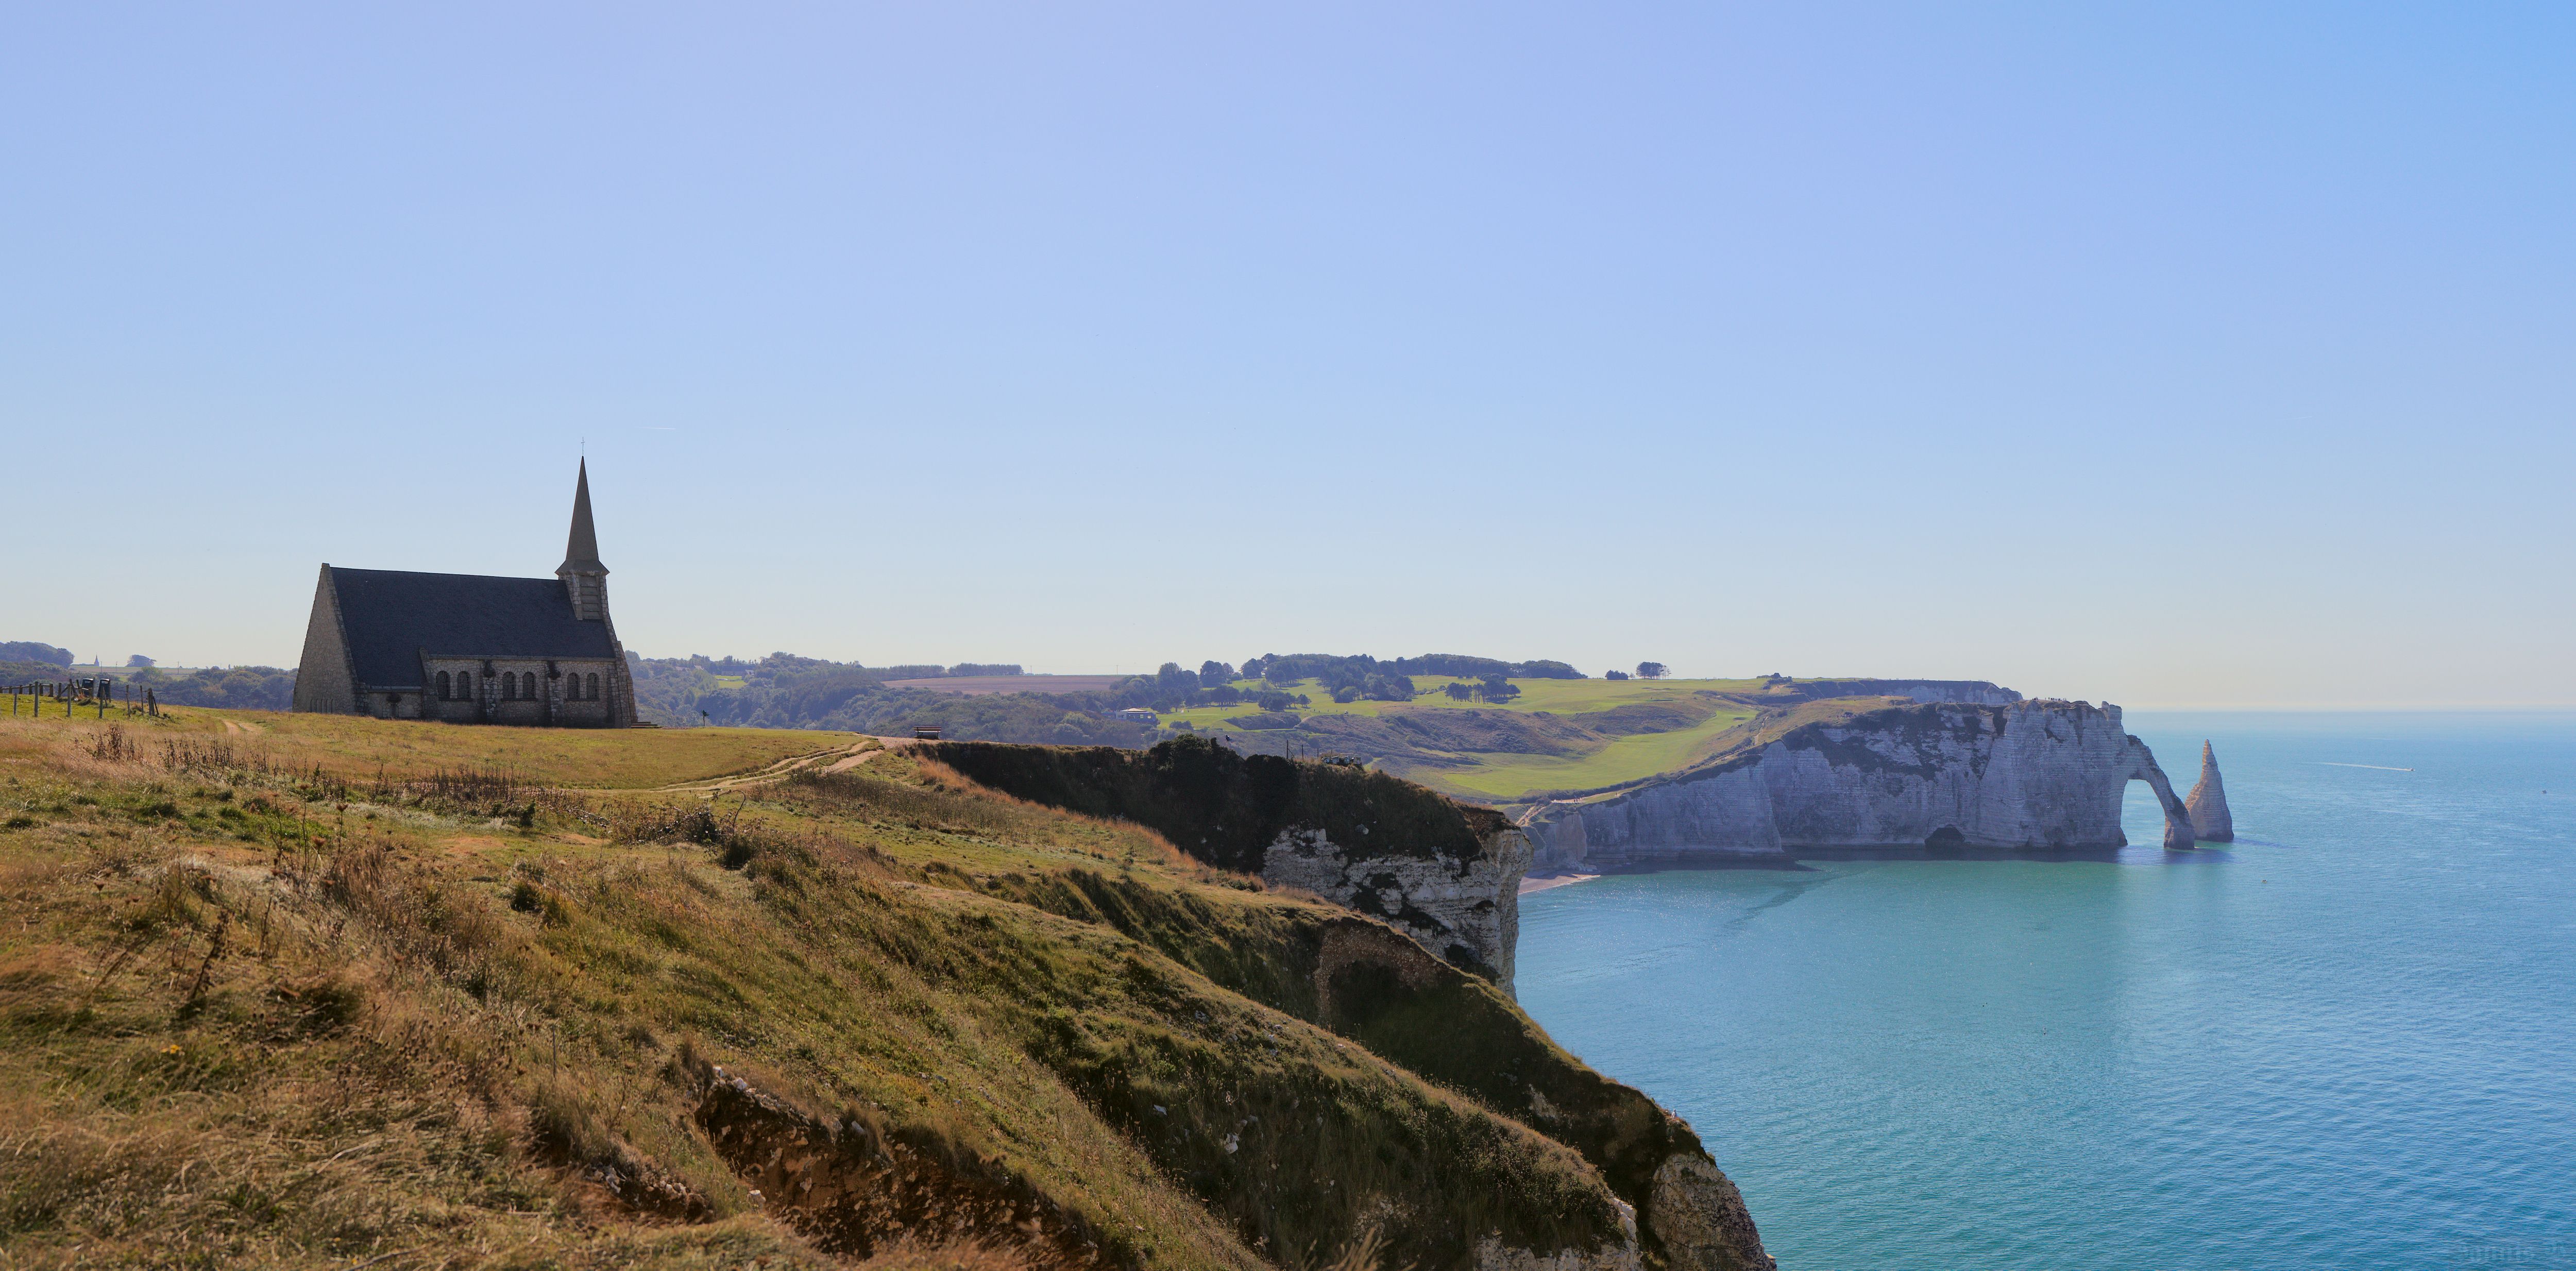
<point x="1225" y="808"/>
<point x="1558" y="738"/>
<point x="312" y="992"/>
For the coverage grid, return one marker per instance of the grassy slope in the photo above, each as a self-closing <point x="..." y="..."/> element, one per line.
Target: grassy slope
<point x="355" y="746"/>
<point x="1505" y="776"/>
<point x="259" y="1017"/>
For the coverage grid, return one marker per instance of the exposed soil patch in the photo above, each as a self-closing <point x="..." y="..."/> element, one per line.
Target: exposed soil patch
<point x="855" y="1190"/>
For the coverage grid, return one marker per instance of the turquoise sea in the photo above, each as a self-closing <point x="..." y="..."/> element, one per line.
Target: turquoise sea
<point x="2347" y="1041"/>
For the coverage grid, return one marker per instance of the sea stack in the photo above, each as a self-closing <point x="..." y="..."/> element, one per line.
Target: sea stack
<point x="2208" y="803"/>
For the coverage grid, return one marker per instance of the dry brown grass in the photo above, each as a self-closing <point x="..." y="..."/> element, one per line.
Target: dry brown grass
<point x="264" y="1009"/>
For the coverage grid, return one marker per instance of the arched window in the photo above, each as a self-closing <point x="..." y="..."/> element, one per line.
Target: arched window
<point x="465" y="684"/>
<point x="509" y="685"/>
<point x="444" y="692"/>
<point x="591" y="689"/>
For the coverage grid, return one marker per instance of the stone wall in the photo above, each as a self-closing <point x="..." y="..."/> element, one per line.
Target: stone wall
<point x="322" y="677"/>
<point x="2036" y="775"/>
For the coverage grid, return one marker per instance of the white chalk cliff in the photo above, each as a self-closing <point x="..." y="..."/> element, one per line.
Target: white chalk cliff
<point x="2207" y="803"/>
<point x="2030" y="775"/>
<point x="1466" y="910"/>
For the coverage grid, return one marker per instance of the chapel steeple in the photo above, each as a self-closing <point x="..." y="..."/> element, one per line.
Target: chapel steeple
<point x="584" y="578"/>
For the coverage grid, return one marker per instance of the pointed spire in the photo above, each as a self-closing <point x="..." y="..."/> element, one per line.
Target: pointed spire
<point x="2207" y="805"/>
<point x="581" y="551"/>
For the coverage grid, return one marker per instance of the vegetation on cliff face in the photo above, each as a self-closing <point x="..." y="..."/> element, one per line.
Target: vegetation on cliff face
<point x="1225" y="808"/>
<point x="310" y="991"/>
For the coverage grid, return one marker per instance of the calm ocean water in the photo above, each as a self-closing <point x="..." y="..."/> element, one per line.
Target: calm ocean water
<point x="2346" y="1042"/>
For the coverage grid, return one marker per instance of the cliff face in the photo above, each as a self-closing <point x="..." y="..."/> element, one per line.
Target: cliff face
<point x="1445" y="873"/>
<point x="2208" y="802"/>
<point x="2023" y="775"/>
<point x="1436" y="871"/>
<point x="1470" y="902"/>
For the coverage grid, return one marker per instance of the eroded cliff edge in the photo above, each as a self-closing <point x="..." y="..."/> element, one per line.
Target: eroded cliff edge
<point x="2022" y="775"/>
<point x="1446" y="873"/>
<point x="1416" y="865"/>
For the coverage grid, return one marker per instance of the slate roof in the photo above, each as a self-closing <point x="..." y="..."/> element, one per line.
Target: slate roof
<point x="394" y="616"/>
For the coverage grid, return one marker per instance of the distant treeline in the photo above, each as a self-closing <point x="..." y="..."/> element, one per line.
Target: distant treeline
<point x="14" y="671"/>
<point x="249" y="688"/>
<point x="1345" y="678"/>
<point x="731" y="665"/>
<point x="787" y="691"/>
<point x="1291" y="667"/>
<point x="36" y="651"/>
<point x="255" y="688"/>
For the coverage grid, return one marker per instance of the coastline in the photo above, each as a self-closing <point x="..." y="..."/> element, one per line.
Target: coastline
<point x="1531" y="884"/>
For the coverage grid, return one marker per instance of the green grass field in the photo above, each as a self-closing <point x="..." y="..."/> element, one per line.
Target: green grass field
<point x="1633" y="758"/>
<point x="354" y="746"/>
<point x="1504" y="776"/>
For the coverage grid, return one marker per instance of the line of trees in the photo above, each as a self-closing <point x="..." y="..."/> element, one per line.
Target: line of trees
<point x="1289" y="668"/>
<point x="787" y="691"/>
<point x="36" y="651"/>
<point x="1342" y="677"/>
<point x="247" y="688"/>
<point x="1492" y="688"/>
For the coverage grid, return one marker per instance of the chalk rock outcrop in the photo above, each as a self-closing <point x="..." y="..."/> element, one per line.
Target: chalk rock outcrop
<point x="2207" y="802"/>
<point x="1493" y="1255"/>
<point x="1464" y="907"/>
<point x="2029" y="775"/>
<point x="1443" y="872"/>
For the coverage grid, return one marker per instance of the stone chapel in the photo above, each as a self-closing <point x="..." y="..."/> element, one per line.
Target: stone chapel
<point x="470" y="649"/>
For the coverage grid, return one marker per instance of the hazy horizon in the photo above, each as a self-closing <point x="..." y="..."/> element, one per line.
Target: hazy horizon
<point x="2188" y="357"/>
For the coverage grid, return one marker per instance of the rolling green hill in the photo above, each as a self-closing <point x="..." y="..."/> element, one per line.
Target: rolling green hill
<point x="1559" y="738"/>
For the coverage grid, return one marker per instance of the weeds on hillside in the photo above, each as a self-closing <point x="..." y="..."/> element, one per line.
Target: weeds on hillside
<point x="217" y="758"/>
<point x="931" y="806"/>
<point x="115" y="747"/>
<point x="945" y="802"/>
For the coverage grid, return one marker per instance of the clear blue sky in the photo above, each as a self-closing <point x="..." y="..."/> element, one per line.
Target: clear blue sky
<point x="2164" y="354"/>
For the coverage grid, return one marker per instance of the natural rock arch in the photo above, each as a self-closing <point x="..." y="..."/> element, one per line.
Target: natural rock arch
<point x="2142" y="767"/>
